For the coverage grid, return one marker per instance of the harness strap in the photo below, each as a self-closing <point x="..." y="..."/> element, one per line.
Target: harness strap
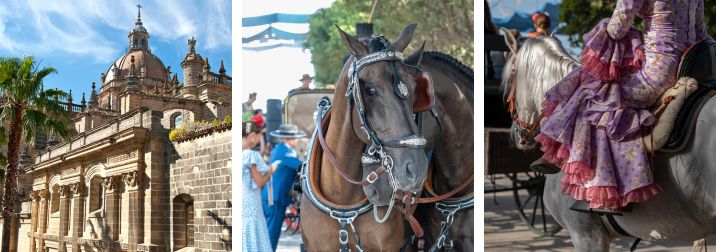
<point x="343" y="235"/>
<point x="341" y="170"/>
<point x="435" y="197"/>
<point x="345" y="215"/>
<point x="448" y="210"/>
<point x="613" y="223"/>
<point x="408" y="212"/>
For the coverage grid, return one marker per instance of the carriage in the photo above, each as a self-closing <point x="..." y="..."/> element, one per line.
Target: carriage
<point x="505" y="162"/>
<point x="299" y="108"/>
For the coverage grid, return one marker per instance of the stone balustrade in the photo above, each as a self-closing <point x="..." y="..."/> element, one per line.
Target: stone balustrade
<point x="139" y="118"/>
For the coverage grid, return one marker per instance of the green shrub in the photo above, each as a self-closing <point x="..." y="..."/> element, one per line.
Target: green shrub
<point x="227" y="119"/>
<point x="174" y="133"/>
<point x="215" y="122"/>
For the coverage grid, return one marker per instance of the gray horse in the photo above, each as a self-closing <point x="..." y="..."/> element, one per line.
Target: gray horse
<point x="684" y="211"/>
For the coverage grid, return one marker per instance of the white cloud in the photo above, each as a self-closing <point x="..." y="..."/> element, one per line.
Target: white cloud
<point x="80" y="27"/>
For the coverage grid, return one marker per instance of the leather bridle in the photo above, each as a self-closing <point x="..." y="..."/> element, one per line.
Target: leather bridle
<point x="526" y="130"/>
<point x="374" y="156"/>
<point x="376" y="151"/>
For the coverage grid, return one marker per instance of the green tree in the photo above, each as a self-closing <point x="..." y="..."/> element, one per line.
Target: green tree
<point x="579" y="16"/>
<point x="27" y="109"/>
<point x="446" y="26"/>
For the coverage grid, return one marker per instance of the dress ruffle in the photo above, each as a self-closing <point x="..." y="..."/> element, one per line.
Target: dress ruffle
<point x="608" y="197"/>
<point x="589" y="129"/>
<point x="606" y="58"/>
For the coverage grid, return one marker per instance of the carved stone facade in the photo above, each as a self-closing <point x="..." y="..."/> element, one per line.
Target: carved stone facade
<point x="118" y="183"/>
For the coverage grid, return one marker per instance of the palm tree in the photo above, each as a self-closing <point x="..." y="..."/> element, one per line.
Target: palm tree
<point x="27" y="109"/>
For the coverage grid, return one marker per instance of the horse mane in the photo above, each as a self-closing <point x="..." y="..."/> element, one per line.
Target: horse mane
<point x="444" y="58"/>
<point x="541" y="60"/>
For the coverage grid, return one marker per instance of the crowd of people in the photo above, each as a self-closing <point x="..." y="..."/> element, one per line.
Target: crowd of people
<point x="267" y="188"/>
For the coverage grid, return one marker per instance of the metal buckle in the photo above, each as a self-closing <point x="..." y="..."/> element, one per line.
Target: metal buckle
<point x="448" y="244"/>
<point x="352" y="214"/>
<point x="304" y="170"/>
<point x="368" y="178"/>
<point x="343" y="236"/>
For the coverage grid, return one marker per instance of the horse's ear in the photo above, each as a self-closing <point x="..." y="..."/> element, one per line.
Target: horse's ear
<point x="510" y="40"/>
<point x="404" y="38"/>
<point x="417" y="57"/>
<point x="354" y="46"/>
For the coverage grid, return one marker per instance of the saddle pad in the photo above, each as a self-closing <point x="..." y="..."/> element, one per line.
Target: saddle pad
<point x="699" y="62"/>
<point x="686" y="119"/>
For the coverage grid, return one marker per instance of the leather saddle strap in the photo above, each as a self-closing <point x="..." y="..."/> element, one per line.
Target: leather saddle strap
<point x="338" y="166"/>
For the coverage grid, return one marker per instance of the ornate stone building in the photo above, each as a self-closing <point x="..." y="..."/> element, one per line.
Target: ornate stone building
<point x="119" y="183"/>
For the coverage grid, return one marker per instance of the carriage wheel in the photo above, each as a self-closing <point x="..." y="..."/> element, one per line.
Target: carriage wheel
<point x="531" y="209"/>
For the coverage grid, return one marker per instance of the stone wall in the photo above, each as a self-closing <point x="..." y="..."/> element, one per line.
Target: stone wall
<point x="200" y="180"/>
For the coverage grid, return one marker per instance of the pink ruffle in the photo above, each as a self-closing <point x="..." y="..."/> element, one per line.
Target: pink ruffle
<point x="604" y="197"/>
<point x="577" y="192"/>
<point x="551" y="149"/>
<point x="641" y="194"/>
<point x="577" y="173"/>
<point x="607" y="197"/>
<point x="607" y="59"/>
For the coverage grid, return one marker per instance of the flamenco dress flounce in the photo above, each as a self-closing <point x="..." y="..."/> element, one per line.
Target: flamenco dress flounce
<point x="604" y="62"/>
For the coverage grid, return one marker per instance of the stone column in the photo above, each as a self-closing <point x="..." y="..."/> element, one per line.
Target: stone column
<point x="65" y="195"/>
<point x="111" y="190"/>
<point x="35" y="217"/>
<point x="78" y="203"/>
<point x="42" y="218"/>
<point x="133" y="182"/>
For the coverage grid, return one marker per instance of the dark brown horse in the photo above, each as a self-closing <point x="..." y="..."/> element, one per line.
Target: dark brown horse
<point x="448" y="130"/>
<point x="372" y="106"/>
<point x="453" y="150"/>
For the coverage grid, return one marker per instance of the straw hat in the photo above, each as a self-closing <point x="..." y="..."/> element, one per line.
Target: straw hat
<point x="287" y="131"/>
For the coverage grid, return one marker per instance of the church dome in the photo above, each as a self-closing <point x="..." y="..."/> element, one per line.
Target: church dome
<point x="146" y="65"/>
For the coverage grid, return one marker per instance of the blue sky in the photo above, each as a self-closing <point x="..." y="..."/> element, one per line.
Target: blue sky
<point x="81" y="38"/>
<point x="505" y="8"/>
<point x="287" y="64"/>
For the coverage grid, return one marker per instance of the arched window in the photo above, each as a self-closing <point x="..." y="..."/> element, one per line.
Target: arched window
<point x="96" y="194"/>
<point x="55" y="200"/>
<point x="183" y="221"/>
<point x="144" y="43"/>
<point x="176" y="120"/>
<point x="135" y="42"/>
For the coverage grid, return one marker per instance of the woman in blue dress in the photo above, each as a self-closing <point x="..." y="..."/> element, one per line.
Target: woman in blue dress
<point x="255" y="173"/>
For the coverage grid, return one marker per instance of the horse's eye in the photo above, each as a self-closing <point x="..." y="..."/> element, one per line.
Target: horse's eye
<point x="371" y="91"/>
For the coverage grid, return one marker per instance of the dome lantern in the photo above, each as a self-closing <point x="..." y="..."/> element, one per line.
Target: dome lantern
<point x="138" y="36"/>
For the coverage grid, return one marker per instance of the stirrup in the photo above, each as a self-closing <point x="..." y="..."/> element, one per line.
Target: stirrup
<point x="542" y="166"/>
<point x="583" y="207"/>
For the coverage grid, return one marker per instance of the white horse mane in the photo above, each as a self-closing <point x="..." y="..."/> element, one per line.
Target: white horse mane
<point x="540" y="64"/>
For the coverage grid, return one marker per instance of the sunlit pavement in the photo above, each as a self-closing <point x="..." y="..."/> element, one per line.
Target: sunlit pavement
<point x="504" y="231"/>
<point x="289" y="242"/>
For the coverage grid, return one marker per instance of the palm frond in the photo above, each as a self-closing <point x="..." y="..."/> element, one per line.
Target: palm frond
<point x="33" y="122"/>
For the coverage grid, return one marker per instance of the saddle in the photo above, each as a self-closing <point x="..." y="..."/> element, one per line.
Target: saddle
<point x="698" y="62"/>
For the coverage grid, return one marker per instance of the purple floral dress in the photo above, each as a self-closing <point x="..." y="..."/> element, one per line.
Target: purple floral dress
<point x="597" y="113"/>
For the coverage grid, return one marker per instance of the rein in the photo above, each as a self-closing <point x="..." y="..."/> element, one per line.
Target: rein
<point x="527" y="130"/>
<point x="344" y="214"/>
